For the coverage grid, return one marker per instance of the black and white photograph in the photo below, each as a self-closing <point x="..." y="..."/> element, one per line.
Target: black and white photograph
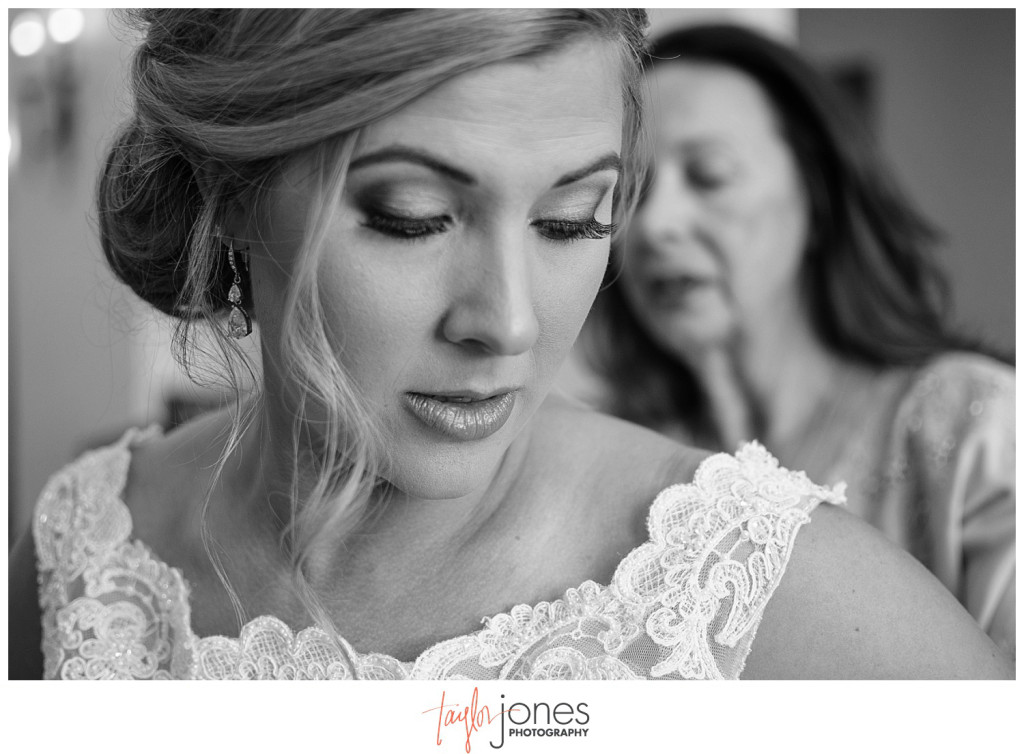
<point x="477" y="345"/>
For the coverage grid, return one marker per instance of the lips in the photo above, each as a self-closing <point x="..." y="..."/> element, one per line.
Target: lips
<point x="462" y="416"/>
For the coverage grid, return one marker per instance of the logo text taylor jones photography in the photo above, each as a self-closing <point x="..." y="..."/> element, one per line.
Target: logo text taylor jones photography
<point x="505" y="721"/>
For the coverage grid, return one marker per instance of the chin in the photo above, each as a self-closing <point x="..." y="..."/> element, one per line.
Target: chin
<point x="429" y="464"/>
<point x="445" y="472"/>
<point x="696" y="332"/>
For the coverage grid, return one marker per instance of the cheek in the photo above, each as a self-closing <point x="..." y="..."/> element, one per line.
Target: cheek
<point x="766" y="244"/>
<point x="370" y="322"/>
<point x="566" y="294"/>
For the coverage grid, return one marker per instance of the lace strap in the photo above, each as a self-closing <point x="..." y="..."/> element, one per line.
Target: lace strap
<point x="718" y="549"/>
<point x="80" y="511"/>
<point x="109" y="609"/>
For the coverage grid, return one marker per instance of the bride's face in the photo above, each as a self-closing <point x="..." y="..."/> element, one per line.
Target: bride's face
<point x="470" y="242"/>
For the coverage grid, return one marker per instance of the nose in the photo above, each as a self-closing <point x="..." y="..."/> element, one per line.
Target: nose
<point x="668" y="213"/>
<point x="492" y="304"/>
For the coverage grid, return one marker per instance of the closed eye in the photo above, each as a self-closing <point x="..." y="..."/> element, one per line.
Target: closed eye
<point x="407" y="228"/>
<point x="705" y="180"/>
<point x="574" y="230"/>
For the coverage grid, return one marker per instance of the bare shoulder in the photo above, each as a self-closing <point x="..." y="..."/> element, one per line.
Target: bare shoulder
<point x="613" y="460"/>
<point x="851" y="605"/>
<point x="169" y="476"/>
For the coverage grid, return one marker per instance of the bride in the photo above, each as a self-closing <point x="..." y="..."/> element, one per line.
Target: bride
<point x="420" y="227"/>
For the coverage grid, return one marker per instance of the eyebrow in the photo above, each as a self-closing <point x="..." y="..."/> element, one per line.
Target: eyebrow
<point x="609" y="161"/>
<point x="408" y="154"/>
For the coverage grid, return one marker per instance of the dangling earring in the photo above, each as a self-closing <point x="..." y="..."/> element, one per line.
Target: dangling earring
<point x="239" y="324"/>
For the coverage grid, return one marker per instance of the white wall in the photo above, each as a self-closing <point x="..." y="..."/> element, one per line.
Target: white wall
<point x="779" y="22"/>
<point x="70" y="324"/>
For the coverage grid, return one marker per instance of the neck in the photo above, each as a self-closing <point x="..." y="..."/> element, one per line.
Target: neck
<point x="423" y="525"/>
<point x="770" y="380"/>
<point x="788" y="370"/>
<point x="395" y="521"/>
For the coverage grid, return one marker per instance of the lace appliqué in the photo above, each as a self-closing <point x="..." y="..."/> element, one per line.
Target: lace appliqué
<point x="686" y="604"/>
<point x="718" y="548"/>
<point x="110" y="610"/>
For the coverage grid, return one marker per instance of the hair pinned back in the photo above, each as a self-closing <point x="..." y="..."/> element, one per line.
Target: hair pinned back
<point x="222" y="99"/>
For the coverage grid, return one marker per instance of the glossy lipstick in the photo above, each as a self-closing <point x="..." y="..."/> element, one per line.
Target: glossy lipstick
<point x="462" y="416"/>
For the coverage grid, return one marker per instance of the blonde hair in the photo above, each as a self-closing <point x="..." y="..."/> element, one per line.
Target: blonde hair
<point x="228" y="97"/>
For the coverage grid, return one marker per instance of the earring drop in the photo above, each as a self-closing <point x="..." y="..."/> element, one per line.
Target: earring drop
<point x="239" y="324"/>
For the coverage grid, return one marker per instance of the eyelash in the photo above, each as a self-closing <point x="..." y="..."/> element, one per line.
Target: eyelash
<point x="565" y="230"/>
<point x="408" y="229"/>
<point x="556" y="230"/>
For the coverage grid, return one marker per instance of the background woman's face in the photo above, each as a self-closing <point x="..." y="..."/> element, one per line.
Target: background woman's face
<point x="469" y="245"/>
<point x="720" y="236"/>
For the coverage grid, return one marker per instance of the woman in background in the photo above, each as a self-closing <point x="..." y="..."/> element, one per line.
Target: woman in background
<point x="775" y="284"/>
<point x="416" y="207"/>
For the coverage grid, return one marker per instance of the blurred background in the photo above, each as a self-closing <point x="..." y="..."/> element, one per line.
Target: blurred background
<point x="87" y="360"/>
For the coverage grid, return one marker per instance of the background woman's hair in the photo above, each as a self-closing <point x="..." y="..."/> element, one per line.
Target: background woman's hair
<point x="222" y="100"/>
<point x="874" y="290"/>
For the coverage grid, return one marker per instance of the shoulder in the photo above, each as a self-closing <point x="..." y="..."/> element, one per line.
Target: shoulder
<point x="962" y="385"/>
<point x="79" y="509"/>
<point x="851" y="605"/>
<point x="612" y="457"/>
<point x="717" y="549"/>
<point x="630" y="468"/>
<point x="169" y="478"/>
<point x="600" y="476"/>
<point x="968" y="366"/>
<point x="959" y="403"/>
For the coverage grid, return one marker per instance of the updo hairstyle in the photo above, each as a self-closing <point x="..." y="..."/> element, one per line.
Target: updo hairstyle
<point x="222" y="101"/>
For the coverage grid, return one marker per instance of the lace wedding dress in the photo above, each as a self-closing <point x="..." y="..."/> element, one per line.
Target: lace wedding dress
<point x="685" y="604"/>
